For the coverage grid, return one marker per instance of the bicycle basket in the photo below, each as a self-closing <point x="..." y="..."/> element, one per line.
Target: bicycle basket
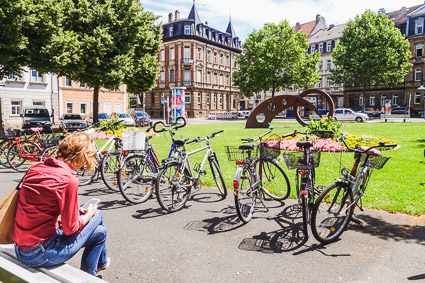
<point x="236" y="154"/>
<point x="296" y="160"/>
<point x="272" y="151"/>
<point x="376" y="162"/>
<point x="133" y="141"/>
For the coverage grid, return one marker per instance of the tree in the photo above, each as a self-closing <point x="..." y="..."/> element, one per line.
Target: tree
<point x="105" y="44"/>
<point x="274" y="58"/>
<point x="371" y="51"/>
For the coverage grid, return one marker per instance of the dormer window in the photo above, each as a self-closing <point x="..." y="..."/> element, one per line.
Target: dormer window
<point x="312" y="48"/>
<point x="419" y="26"/>
<point x="321" y="48"/>
<point x="186" y="29"/>
<point x="329" y="47"/>
<point x="170" y="32"/>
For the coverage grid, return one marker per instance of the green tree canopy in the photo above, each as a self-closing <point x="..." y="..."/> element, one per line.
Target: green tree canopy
<point x="274" y="58"/>
<point x="371" y="51"/>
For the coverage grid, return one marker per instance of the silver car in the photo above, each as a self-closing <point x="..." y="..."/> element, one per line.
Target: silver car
<point x="72" y="122"/>
<point x="126" y="119"/>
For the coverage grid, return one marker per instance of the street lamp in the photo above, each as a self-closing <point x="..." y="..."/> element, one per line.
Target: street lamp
<point x="422" y="87"/>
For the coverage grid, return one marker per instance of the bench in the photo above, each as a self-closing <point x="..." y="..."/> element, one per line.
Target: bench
<point x="387" y="117"/>
<point x="11" y="270"/>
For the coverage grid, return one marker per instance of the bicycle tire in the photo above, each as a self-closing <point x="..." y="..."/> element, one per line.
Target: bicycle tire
<point x="275" y="182"/>
<point x="109" y="167"/>
<point x="244" y="195"/>
<point x="16" y="160"/>
<point x="86" y="177"/>
<point x="132" y="186"/>
<point x="218" y="178"/>
<point x="173" y="188"/>
<point x="305" y="212"/>
<point x="49" y="152"/>
<point x="4" y="146"/>
<point x="327" y="226"/>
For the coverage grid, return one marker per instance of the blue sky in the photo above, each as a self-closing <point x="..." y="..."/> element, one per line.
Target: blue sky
<point x="248" y="15"/>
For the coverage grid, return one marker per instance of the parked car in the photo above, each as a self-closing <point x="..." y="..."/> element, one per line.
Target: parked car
<point x="403" y="110"/>
<point x="33" y="117"/>
<point x="101" y="117"/>
<point x="72" y="122"/>
<point x="244" y="113"/>
<point x="126" y="119"/>
<point x="347" y="114"/>
<point x="142" y="119"/>
<point x="373" y="113"/>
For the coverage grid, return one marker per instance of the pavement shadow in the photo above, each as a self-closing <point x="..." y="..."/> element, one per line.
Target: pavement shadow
<point x="206" y="197"/>
<point x="382" y="229"/>
<point x="113" y="204"/>
<point x="98" y="191"/>
<point x="148" y="213"/>
<point x="417" y="277"/>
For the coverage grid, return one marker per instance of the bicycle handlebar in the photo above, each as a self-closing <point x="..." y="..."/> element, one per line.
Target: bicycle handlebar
<point x="198" y="139"/>
<point x="215" y="133"/>
<point x="259" y="138"/>
<point x="175" y="125"/>
<point x="381" y="144"/>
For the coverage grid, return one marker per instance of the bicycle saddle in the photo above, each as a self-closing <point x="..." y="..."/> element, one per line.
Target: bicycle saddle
<point x="246" y="147"/>
<point x="181" y="142"/>
<point x="36" y="130"/>
<point x="304" y="144"/>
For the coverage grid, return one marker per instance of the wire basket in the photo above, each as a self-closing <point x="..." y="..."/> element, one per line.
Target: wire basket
<point x="376" y="162"/>
<point x="234" y="153"/>
<point x="133" y="141"/>
<point x="296" y="160"/>
<point x="270" y="151"/>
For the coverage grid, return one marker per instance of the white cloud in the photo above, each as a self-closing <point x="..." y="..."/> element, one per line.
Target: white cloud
<point x="248" y="15"/>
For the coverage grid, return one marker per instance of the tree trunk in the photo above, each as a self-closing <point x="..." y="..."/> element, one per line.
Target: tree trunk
<point x="364" y="99"/>
<point x="96" y="104"/>
<point x="1" y="120"/>
<point x="273" y="91"/>
<point x="140" y="95"/>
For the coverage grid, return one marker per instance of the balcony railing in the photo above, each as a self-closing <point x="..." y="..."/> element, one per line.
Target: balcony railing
<point x="187" y="61"/>
<point x="186" y="83"/>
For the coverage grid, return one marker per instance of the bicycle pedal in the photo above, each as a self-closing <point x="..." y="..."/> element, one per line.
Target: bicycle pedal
<point x="203" y="172"/>
<point x="356" y="220"/>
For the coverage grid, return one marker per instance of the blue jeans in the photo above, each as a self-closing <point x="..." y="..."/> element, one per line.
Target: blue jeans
<point x="60" y="248"/>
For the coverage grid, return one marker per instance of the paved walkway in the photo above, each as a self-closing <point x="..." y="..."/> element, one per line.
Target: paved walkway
<point x="206" y="243"/>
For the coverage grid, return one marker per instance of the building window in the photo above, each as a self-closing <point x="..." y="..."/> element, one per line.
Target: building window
<point x="199" y="53"/>
<point x="208" y="56"/>
<point x="417" y="98"/>
<point x="312" y="48"/>
<point x="372" y="100"/>
<point x="186" y="53"/>
<point x="234" y="102"/>
<point x="172" y="77"/>
<point x="36" y="76"/>
<point x="221" y="79"/>
<point x="68" y="82"/>
<point x="228" y="61"/>
<point x="328" y="47"/>
<point x="214" y="99"/>
<point x="187" y="97"/>
<point x="419" y="26"/>
<point x="208" y="77"/>
<point x="419" y="50"/>
<point x="13" y="77"/>
<point x="215" y="57"/>
<point x="221" y="99"/>
<point x="328" y="64"/>
<point x="83" y="108"/>
<point x="234" y="64"/>
<point x="170" y="32"/>
<point x="383" y="97"/>
<point x="186" y="76"/>
<point x="82" y="84"/>
<point x="16" y="108"/>
<point x="208" y="99"/>
<point x="227" y="80"/>
<point x="162" y="77"/>
<point x="162" y="55"/>
<point x="172" y="53"/>
<point x="199" y="98"/>
<point x="395" y="98"/>
<point x="418" y="74"/>
<point x="321" y="48"/>
<point x="70" y="107"/>
<point x="215" y="78"/>
<point x="38" y="103"/>
<point x="199" y="75"/>
<point x="221" y="59"/>
<point x="361" y="100"/>
<point x="186" y="29"/>
<point x="320" y="65"/>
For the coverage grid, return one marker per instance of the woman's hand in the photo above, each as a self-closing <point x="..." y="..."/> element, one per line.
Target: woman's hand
<point x="91" y="210"/>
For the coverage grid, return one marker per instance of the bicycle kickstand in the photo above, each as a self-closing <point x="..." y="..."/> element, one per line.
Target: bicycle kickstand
<point x="356" y="220"/>
<point x="261" y="200"/>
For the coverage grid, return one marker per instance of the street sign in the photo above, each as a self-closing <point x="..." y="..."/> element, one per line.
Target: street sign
<point x="163" y="101"/>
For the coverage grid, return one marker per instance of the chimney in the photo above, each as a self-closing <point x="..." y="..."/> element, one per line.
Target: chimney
<point x="170" y="17"/>
<point x="317" y="18"/>
<point x="177" y="15"/>
<point x="331" y="26"/>
<point x="297" y="27"/>
<point x="206" y="23"/>
<point x="382" y="10"/>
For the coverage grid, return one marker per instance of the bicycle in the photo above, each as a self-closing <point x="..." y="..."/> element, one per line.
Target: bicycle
<point x="334" y="207"/>
<point x="176" y="178"/>
<point x="305" y="162"/>
<point x="255" y="176"/>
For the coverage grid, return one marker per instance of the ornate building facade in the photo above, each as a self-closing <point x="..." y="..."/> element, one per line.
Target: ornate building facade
<point x="200" y="58"/>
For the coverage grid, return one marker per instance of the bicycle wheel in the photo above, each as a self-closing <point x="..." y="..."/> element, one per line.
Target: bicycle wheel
<point x="86" y="177"/>
<point x="136" y="178"/>
<point x="19" y="156"/>
<point x="4" y="146"/>
<point x="50" y="152"/>
<point x="173" y="187"/>
<point x="109" y="167"/>
<point x="332" y="212"/>
<point x="275" y="181"/>
<point x="244" y="194"/>
<point x="218" y="177"/>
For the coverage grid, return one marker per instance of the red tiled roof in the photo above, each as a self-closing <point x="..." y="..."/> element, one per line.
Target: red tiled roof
<point x="307" y="27"/>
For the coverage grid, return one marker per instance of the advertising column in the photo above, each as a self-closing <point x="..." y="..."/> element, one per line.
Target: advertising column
<point x="177" y="102"/>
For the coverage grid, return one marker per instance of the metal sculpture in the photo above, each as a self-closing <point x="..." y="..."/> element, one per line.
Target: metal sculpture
<point x="264" y="113"/>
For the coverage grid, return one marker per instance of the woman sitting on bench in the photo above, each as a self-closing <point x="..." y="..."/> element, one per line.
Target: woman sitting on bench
<point x="48" y="191"/>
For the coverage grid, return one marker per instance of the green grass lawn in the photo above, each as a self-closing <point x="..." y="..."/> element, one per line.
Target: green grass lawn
<point x="398" y="187"/>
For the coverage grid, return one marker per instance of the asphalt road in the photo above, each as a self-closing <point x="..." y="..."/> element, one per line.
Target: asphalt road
<point x="205" y="242"/>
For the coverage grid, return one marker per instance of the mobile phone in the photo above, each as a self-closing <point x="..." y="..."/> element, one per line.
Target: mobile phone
<point x="94" y="201"/>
